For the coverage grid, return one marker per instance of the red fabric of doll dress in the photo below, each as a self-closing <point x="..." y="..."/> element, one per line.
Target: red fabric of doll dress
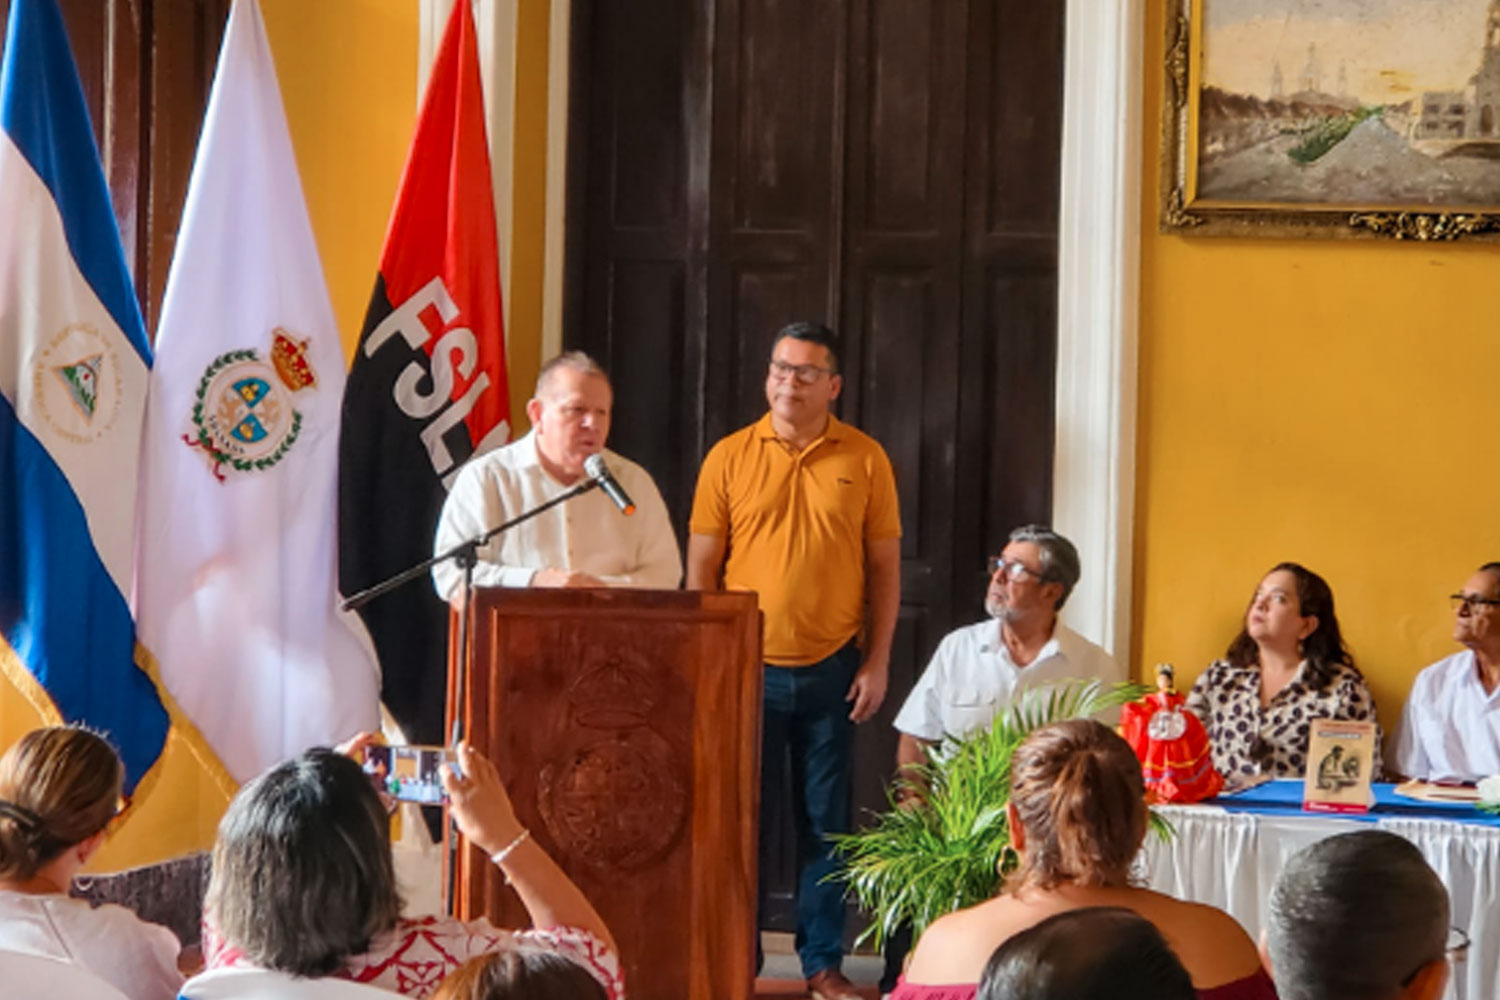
<point x="1173" y="748"/>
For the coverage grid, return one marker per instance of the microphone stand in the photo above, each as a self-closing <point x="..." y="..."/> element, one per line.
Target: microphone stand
<point x="464" y="555"/>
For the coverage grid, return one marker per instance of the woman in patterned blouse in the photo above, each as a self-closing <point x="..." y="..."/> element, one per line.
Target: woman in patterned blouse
<point x="1287" y="667"/>
<point x="304" y="889"/>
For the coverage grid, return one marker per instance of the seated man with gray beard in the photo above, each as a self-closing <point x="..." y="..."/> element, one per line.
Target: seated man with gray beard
<point x="1359" y="916"/>
<point x="978" y="669"/>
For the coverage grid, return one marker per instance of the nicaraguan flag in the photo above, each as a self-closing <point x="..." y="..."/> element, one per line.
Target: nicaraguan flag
<point x="74" y="363"/>
<point x="235" y="592"/>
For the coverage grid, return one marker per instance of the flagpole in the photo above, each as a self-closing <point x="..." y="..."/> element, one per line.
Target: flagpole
<point x="465" y="559"/>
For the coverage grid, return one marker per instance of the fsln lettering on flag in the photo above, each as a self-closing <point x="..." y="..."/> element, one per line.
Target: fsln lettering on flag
<point x="427" y="389"/>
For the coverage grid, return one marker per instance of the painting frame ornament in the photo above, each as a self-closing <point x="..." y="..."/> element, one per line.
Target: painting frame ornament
<point x="1183" y="211"/>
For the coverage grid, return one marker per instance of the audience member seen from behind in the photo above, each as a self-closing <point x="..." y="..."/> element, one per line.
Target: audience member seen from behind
<point x="1077" y="816"/>
<point x="59" y="788"/>
<point x="521" y="972"/>
<point x="1359" y="916"/>
<point x="1287" y="667"/>
<point x="1450" y="727"/>
<point x="303" y="884"/>
<point x="1097" y="953"/>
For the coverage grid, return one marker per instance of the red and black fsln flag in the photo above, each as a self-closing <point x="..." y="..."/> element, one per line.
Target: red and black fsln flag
<point x="427" y="389"/>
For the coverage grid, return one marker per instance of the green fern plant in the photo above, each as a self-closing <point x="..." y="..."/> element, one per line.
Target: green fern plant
<point x="923" y="859"/>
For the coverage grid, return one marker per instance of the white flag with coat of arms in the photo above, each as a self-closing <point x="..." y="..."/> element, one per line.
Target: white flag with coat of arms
<point x="235" y="592"/>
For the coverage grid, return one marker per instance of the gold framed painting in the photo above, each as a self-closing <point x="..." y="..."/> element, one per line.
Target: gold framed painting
<point x="1332" y="118"/>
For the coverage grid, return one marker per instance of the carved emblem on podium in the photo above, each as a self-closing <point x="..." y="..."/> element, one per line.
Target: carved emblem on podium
<point x="614" y="796"/>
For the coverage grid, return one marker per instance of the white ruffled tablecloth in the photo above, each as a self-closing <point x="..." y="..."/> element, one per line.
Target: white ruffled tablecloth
<point x="1230" y="859"/>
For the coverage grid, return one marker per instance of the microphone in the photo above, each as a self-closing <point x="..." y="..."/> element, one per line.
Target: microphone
<point x="599" y="473"/>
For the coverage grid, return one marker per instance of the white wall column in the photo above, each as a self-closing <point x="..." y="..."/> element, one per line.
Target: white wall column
<point x="1098" y="288"/>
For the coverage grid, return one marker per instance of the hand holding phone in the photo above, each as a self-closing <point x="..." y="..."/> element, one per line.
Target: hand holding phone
<point x="478" y="801"/>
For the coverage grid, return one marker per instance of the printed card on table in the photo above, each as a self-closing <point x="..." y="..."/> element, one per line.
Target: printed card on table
<point x="1340" y="756"/>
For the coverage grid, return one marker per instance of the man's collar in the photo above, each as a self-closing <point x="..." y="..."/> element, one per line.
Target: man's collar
<point x="528" y="456"/>
<point x="835" y="430"/>
<point x="994" y="639"/>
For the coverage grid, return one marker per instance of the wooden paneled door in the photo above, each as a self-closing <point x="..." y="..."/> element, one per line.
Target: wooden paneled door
<point x="146" y="68"/>
<point x="888" y="166"/>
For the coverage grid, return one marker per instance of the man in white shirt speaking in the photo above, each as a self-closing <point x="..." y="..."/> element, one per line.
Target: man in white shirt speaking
<point x="979" y="668"/>
<point x="1450" y="727"/>
<point x="587" y="541"/>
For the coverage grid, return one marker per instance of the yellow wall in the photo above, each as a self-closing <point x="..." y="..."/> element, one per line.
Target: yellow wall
<point x="1327" y="402"/>
<point x="348" y="74"/>
<point x="523" y="332"/>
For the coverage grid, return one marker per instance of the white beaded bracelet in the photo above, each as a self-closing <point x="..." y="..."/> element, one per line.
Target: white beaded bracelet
<point x="499" y="856"/>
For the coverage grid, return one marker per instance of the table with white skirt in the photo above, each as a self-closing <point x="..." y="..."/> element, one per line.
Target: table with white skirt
<point x="1228" y="852"/>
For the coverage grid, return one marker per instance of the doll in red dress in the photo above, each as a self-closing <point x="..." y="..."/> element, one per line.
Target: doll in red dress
<point x="1171" y="744"/>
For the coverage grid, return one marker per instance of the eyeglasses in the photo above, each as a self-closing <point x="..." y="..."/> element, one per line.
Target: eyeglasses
<point x="804" y="374"/>
<point x="1012" y="569"/>
<point x="1456" y="949"/>
<point x="1472" y="602"/>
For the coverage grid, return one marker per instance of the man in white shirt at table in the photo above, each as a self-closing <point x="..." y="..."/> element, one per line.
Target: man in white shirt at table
<point x="979" y="669"/>
<point x="1450" y="727"/>
<point x="584" y="542"/>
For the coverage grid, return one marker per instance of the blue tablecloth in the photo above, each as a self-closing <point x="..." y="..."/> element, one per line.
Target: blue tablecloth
<point x="1285" y="795"/>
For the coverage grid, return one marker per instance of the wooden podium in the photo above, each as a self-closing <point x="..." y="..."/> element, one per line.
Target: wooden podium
<point x="626" y="726"/>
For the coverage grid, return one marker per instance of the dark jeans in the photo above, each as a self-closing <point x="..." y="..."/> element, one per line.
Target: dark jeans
<point x="807" y="719"/>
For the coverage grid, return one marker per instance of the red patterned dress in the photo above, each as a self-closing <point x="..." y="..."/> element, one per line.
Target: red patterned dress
<point x="419" y="952"/>
<point x="1176" y="760"/>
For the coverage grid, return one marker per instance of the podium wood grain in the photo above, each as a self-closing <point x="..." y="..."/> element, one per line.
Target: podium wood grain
<point x="626" y="726"/>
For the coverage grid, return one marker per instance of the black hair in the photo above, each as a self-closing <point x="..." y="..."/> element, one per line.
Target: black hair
<point x="1094" y="953"/>
<point x="812" y="333"/>
<point x="1354" y="915"/>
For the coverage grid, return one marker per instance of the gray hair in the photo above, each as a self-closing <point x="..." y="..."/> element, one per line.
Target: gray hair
<point x="302" y="877"/>
<point x="575" y="360"/>
<point x="1354" y="916"/>
<point x="1059" y="558"/>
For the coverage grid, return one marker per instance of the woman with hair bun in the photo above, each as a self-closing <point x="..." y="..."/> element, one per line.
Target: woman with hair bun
<point x="59" y="788"/>
<point x="1077" y="817"/>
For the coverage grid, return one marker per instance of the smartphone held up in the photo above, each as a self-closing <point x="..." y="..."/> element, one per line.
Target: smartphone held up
<point x="410" y="773"/>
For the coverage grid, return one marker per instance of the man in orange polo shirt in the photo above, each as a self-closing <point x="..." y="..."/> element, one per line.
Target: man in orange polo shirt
<point x="801" y="508"/>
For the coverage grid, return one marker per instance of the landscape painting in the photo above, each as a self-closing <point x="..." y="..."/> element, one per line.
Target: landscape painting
<point x="1336" y="107"/>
